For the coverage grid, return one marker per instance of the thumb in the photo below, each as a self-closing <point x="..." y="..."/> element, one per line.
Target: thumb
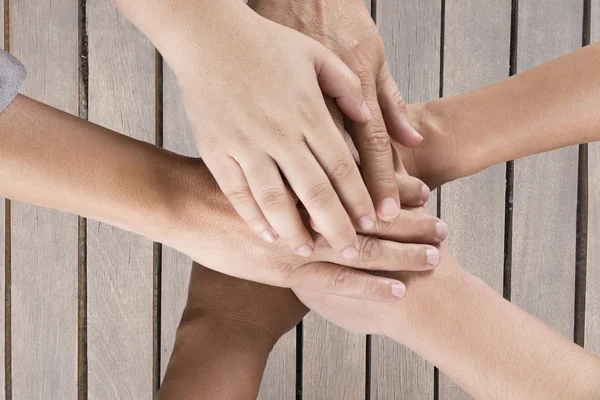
<point x="338" y="81"/>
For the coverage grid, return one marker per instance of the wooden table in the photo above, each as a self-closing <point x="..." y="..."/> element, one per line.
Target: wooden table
<point x="91" y="310"/>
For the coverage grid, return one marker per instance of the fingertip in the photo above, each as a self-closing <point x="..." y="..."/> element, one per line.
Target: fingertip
<point x="425" y="193"/>
<point x="269" y="236"/>
<point x="306" y="250"/>
<point x="398" y="290"/>
<point x="389" y="209"/>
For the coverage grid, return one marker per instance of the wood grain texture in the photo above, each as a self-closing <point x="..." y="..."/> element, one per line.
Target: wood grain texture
<point x="43" y="35"/>
<point x="476" y="53"/>
<point x="411" y="32"/>
<point x="545" y="185"/>
<point x="120" y="264"/>
<point x="592" y="315"/>
<point x="333" y="361"/>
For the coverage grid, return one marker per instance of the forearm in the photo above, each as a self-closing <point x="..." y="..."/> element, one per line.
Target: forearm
<point x="214" y="359"/>
<point x="548" y="107"/>
<point x="52" y="159"/>
<point x="178" y="28"/>
<point x="491" y="348"/>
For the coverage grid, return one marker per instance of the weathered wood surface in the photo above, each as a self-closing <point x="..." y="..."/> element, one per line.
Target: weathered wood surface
<point x="43" y="35"/>
<point x="411" y="31"/>
<point x="545" y="185"/>
<point x="120" y="264"/>
<point x="335" y="364"/>
<point x="592" y="319"/>
<point x="476" y="53"/>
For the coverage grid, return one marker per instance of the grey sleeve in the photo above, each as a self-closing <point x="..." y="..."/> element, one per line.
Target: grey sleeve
<point x="12" y="76"/>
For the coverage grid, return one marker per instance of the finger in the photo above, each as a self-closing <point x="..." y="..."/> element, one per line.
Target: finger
<point x="232" y="181"/>
<point x="347" y="282"/>
<point x="412" y="191"/>
<point x="318" y="196"/>
<point x="382" y="255"/>
<point x="333" y="155"/>
<point x="394" y="112"/>
<point x="339" y="82"/>
<point x="411" y="227"/>
<point x="276" y="203"/>
<point x="377" y="162"/>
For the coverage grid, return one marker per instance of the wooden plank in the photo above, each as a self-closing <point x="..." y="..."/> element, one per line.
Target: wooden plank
<point x="333" y="360"/>
<point x="120" y="264"/>
<point x="476" y="53"/>
<point x="43" y="35"/>
<point x="592" y="315"/>
<point x="411" y="32"/>
<point x="545" y="186"/>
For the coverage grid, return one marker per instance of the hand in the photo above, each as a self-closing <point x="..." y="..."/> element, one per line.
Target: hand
<point x="253" y="92"/>
<point x="346" y="28"/>
<point x="265" y="311"/>
<point x="199" y="208"/>
<point x="371" y="317"/>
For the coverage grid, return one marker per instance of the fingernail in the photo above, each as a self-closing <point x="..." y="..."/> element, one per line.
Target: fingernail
<point x="390" y="208"/>
<point x="417" y="134"/>
<point x="425" y="193"/>
<point x="366" y="111"/>
<point x="433" y="257"/>
<point x="441" y="230"/>
<point x="305" y="251"/>
<point x="350" y="253"/>
<point x="366" y="223"/>
<point x="269" y="236"/>
<point x="398" y="290"/>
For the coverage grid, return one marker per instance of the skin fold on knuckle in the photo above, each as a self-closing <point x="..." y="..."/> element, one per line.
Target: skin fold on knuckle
<point x="370" y="250"/>
<point x="376" y="141"/>
<point x="340" y="169"/>
<point x="320" y="196"/>
<point x="339" y="279"/>
<point x="239" y="196"/>
<point x="273" y="198"/>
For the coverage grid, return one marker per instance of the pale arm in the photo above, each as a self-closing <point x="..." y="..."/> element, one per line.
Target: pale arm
<point x="491" y="348"/>
<point x="548" y="107"/>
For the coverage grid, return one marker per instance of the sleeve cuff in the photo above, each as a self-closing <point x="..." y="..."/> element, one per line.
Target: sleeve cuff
<point x="12" y="76"/>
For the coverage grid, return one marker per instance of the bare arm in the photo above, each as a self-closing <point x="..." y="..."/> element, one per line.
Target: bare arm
<point x="52" y="159"/>
<point x="228" y="328"/>
<point x="548" y="107"/>
<point x="491" y="348"/>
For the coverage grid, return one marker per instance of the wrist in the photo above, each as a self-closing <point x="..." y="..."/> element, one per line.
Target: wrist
<point x="429" y="306"/>
<point x="438" y="159"/>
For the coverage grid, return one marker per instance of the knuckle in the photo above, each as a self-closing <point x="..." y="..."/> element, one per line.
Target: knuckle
<point x="320" y="195"/>
<point x="339" y="278"/>
<point x="307" y="109"/>
<point x="273" y="198"/>
<point x="377" y="141"/>
<point x="340" y="169"/>
<point x="371" y="249"/>
<point x="370" y="285"/>
<point x="239" y="196"/>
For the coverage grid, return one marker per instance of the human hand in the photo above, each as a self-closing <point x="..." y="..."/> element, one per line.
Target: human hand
<point x="205" y="227"/>
<point x="257" y="110"/>
<point x="372" y="317"/>
<point x="266" y="311"/>
<point x="346" y="28"/>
